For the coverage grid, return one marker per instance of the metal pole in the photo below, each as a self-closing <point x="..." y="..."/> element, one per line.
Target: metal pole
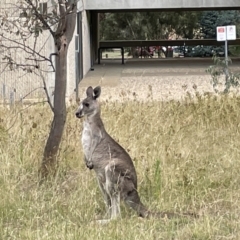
<point x="4" y="91"/>
<point x="226" y="52"/>
<point x="122" y="50"/>
<point x="226" y="60"/>
<point x="77" y="64"/>
<point x="11" y="98"/>
<point x="99" y="53"/>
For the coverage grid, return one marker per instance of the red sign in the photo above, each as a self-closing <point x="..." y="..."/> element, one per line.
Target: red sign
<point x="221" y="34"/>
<point x="221" y="30"/>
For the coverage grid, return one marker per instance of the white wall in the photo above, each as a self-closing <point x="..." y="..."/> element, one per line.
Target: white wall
<point x="71" y="72"/>
<point x="159" y="4"/>
<point x="86" y="43"/>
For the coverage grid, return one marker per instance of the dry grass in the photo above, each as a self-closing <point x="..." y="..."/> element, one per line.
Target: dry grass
<point x="186" y="155"/>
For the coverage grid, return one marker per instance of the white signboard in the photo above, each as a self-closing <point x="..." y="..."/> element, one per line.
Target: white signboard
<point x="221" y="34"/>
<point x="226" y="33"/>
<point x="231" y="32"/>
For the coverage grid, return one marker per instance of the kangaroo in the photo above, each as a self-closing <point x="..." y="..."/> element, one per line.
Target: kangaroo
<point x="113" y="166"/>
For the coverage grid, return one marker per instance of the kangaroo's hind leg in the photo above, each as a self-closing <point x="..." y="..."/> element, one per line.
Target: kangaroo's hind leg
<point x="112" y="188"/>
<point x="107" y="199"/>
<point x="131" y="197"/>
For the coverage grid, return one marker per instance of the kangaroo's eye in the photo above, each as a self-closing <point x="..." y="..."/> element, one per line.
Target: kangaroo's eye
<point x="86" y="104"/>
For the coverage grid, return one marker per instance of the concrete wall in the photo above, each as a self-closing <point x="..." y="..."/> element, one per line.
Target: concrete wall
<point x="158" y="4"/>
<point x="86" y="42"/>
<point x="71" y="72"/>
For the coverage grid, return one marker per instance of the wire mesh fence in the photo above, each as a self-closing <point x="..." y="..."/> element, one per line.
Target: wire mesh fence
<point x="18" y="84"/>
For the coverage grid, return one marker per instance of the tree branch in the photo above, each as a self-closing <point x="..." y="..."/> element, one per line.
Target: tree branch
<point x="40" y="17"/>
<point x="65" y="10"/>
<point x="22" y="46"/>
<point x="50" y="57"/>
<point x="61" y="23"/>
<point x="46" y="91"/>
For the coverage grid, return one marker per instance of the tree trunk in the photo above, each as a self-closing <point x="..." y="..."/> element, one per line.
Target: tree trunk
<point x="49" y="162"/>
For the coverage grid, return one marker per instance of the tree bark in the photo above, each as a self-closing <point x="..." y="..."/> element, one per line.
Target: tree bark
<point x="49" y="162"/>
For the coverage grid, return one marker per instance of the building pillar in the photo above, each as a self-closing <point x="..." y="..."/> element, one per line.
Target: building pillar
<point x="94" y="34"/>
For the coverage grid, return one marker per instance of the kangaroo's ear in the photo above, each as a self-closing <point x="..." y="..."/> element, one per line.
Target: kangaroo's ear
<point x="97" y="92"/>
<point x="89" y="92"/>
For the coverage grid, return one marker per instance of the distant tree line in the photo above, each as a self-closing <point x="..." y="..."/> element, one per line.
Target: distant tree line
<point x="165" y="25"/>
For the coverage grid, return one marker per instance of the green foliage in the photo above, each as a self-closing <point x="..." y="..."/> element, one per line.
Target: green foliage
<point x="209" y="20"/>
<point x="187" y="24"/>
<point x="234" y="50"/>
<point x="160" y="25"/>
<point x="219" y="69"/>
<point x="147" y="25"/>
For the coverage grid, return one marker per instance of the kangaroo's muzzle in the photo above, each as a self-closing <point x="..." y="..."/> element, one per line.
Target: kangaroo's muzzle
<point x="79" y="114"/>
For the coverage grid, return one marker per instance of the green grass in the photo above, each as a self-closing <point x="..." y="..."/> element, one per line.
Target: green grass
<point x="186" y="156"/>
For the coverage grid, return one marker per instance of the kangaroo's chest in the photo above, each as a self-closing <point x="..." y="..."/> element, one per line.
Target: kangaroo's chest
<point x="86" y="138"/>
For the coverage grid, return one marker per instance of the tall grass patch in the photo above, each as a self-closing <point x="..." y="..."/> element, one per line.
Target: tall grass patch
<point x="186" y="154"/>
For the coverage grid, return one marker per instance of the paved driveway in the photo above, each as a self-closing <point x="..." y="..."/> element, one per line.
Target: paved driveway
<point x="164" y="78"/>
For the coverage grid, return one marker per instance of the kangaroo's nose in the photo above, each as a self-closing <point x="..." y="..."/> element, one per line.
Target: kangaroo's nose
<point x="79" y="114"/>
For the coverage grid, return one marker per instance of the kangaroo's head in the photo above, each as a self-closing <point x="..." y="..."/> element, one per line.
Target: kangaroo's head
<point x="89" y="106"/>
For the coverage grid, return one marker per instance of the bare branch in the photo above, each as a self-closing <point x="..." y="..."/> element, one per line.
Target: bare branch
<point x="26" y="65"/>
<point x="22" y="46"/>
<point x="46" y="91"/>
<point x="30" y="93"/>
<point x="50" y="57"/>
<point x="16" y="115"/>
<point x="3" y="69"/>
<point x="43" y="45"/>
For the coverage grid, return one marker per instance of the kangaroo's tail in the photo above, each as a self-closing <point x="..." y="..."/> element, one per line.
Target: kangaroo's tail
<point x="132" y="199"/>
<point x="145" y="213"/>
<point x="170" y="215"/>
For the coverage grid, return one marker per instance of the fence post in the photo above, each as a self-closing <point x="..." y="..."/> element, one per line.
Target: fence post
<point x="4" y="92"/>
<point x="11" y="99"/>
<point x="21" y="99"/>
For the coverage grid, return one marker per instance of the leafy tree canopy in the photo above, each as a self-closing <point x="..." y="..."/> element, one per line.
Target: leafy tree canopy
<point x="161" y="25"/>
<point x="148" y="25"/>
<point x="209" y="20"/>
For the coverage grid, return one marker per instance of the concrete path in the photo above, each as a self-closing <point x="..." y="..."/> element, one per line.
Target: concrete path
<point x="109" y="72"/>
<point x="169" y="78"/>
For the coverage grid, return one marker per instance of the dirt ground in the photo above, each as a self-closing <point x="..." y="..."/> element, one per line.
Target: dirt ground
<point x="158" y="79"/>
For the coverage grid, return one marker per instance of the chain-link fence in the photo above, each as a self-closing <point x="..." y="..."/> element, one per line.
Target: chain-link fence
<point x="20" y="83"/>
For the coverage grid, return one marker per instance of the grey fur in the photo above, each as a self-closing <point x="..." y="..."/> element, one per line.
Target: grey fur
<point x="113" y="166"/>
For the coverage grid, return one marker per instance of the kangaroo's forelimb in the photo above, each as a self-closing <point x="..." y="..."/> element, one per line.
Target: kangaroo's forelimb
<point x="96" y="139"/>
